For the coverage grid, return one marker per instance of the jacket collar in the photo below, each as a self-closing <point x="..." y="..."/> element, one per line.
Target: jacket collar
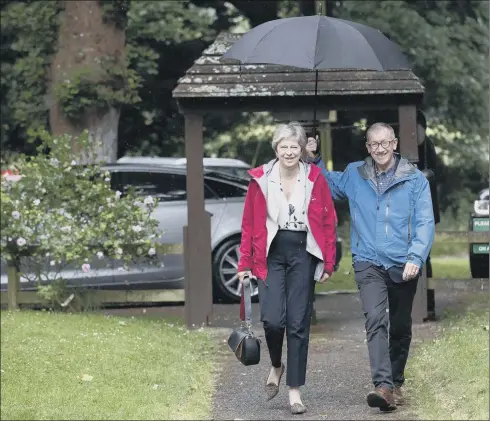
<point x="404" y="169"/>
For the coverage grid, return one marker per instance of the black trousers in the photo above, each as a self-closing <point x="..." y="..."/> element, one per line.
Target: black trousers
<point x="388" y="334"/>
<point x="286" y="302"/>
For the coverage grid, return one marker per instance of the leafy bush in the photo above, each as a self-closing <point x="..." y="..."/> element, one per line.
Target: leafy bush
<point x="58" y="213"/>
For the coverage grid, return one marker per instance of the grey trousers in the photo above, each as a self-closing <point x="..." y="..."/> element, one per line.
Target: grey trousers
<point x="388" y="334"/>
<point x="286" y="302"/>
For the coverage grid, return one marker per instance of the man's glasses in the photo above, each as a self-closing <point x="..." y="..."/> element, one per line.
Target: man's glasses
<point x="375" y="145"/>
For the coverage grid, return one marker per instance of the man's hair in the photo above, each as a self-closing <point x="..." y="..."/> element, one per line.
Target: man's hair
<point x="378" y="126"/>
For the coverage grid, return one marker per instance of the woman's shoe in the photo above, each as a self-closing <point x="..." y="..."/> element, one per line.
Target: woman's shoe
<point x="298" y="408"/>
<point x="271" y="389"/>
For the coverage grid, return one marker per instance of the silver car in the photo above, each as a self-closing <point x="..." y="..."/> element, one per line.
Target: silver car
<point x="224" y="200"/>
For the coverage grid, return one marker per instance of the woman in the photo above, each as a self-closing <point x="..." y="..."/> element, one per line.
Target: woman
<point x="288" y="242"/>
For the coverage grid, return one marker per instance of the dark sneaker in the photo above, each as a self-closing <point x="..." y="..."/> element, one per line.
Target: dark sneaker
<point x="381" y="398"/>
<point x="398" y="395"/>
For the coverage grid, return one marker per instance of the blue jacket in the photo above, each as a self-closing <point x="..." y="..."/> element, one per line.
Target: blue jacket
<point x="394" y="227"/>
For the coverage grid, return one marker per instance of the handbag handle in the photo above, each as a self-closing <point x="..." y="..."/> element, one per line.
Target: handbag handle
<point x="247" y="299"/>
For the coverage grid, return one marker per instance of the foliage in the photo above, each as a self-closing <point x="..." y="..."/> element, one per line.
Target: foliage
<point x="63" y="213"/>
<point x="29" y="40"/>
<point x="115" y="11"/>
<point x="87" y="89"/>
<point x="449" y="49"/>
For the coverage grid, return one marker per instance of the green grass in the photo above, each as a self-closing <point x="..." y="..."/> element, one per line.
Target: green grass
<point x="86" y="366"/>
<point x="450" y="374"/>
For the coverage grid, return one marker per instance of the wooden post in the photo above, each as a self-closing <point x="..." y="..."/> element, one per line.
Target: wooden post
<point x="197" y="234"/>
<point x="407" y="119"/>
<point x="407" y="116"/>
<point x="13" y="284"/>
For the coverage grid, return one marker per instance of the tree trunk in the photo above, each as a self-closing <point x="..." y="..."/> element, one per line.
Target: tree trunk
<point x="84" y="39"/>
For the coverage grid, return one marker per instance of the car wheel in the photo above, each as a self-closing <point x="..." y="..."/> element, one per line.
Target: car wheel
<point x="226" y="286"/>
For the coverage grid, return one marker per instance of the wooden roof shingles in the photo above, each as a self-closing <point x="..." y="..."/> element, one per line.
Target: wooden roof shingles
<point x="213" y="77"/>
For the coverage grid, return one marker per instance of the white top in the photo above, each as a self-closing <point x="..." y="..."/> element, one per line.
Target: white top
<point x="292" y="213"/>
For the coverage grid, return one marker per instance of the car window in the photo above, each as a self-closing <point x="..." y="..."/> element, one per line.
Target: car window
<point x="225" y="190"/>
<point x="164" y="186"/>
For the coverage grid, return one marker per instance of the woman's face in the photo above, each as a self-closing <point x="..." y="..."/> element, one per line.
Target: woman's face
<point x="288" y="152"/>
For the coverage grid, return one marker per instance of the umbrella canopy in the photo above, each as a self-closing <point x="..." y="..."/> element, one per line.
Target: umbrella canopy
<point x="318" y="42"/>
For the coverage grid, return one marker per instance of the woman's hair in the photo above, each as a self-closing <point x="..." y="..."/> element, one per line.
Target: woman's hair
<point x="292" y="130"/>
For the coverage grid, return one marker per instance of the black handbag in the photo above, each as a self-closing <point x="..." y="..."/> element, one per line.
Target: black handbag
<point x="243" y="341"/>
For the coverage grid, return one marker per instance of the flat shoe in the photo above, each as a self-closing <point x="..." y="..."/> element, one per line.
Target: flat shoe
<point x="298" y="408"/>
<point x="271" y="389"/>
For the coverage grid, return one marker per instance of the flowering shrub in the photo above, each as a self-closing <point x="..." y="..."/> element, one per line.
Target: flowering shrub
<point x="59" y="213"/>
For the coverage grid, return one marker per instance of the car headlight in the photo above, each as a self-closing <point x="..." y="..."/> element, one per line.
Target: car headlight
<point x="481" y="207"/>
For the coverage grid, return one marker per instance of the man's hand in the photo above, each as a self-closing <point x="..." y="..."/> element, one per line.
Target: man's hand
<point x="411" y="271"/>
<point x="324" y="278"/>
<point x="311" y="147"/>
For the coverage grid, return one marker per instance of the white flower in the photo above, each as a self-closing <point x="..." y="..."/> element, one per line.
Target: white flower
<point x="136" y="228"/>
<point x="139" y="251"/>
<point x="9" y="239"/>
<point x="52" y="263"/>
<point x="54" y="162"/>
<point x="100" y="255"/>
<point x="108" y="199"/>
<point x="36" y="202"/>
<point x="66" y="229"/>
<point x="21" y="242"/>
<point x="152" y="252"/>
<point x="118" y="251"/>
<point x="48" y="254"/>
<point x="101" y="208"/>
<point x="136" y="203"/>
<point x="15" y="215"/>
<point x="148" y="200"/>
<point x="73" y="162"/>
<point x="107" y="179"/>
<point x="85" y="267"/>
<point x="118" y="194"/>
<point x="13" y="177"/>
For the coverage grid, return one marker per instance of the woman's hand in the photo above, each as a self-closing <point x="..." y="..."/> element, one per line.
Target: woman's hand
<point x="324" y="278"/>
<point x="244" y="274"/>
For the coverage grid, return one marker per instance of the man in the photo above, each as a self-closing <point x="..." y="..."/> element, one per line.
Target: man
<point x="392" y="230"/>
<point x="428" y="160"/>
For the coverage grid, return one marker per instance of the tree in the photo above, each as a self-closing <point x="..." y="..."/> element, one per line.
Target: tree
<point x="89" y="78"/>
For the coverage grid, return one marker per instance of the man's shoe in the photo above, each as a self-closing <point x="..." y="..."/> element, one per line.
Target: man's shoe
<point x="381" y="398"/>
<point x="398" y="395"/>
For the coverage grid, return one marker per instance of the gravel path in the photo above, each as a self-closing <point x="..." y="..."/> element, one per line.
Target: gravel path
<point x="338" y="376"/>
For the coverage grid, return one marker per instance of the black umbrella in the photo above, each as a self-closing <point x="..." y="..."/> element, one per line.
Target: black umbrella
<point x="318" y="42"/>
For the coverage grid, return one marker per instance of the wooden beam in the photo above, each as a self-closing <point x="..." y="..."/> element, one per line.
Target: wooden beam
<point x="197" y="235"/>
<point x="13" y="282"/>
<point x="407" y="132"/>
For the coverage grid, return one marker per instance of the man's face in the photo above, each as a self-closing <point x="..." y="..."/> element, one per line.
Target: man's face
<point x="381" y="144"/>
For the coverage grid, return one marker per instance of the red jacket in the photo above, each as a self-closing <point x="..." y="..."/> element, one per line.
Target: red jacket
<point x="321" y="220"/>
